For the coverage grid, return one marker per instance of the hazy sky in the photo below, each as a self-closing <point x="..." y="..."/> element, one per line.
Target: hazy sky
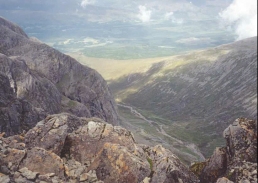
<point x="238" y="16"/>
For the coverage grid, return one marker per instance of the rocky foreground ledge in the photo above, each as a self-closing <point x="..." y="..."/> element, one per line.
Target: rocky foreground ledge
<point x="235" y="163"/>
<point x="65" y="148"/>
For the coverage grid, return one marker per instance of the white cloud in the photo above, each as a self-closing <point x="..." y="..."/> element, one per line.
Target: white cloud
<point x="241" y="15"/>
<point x="144" y="14"/>
<point x="85" y="3"/>
<point x="177" y="21"/>
<point x="194" y="41"/>
<point x="169" y="15"/>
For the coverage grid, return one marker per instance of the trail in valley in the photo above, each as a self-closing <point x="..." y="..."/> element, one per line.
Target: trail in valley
<point x="160" y="129"/>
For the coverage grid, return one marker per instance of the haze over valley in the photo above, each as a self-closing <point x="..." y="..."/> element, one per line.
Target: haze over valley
<point x="128" y="30"/>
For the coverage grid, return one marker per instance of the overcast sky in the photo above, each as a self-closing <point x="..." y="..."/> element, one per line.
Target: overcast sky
<point x="238" y="16"/>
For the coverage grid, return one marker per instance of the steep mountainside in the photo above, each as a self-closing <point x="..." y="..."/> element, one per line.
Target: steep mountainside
<point x="44" y="81"/>
<point x="225" y="78"/>
<point x="201" y="90"/>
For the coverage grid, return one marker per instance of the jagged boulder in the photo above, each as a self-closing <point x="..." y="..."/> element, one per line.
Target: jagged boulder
<point x="51" y="133"/>
<point x="237" y="162"/>
<point x="215" y="167"/>
<point x="166" y="167"/>
<point x="84" y="143"/>
<point x="66" y="148"/>
<point x="241" y="139"/>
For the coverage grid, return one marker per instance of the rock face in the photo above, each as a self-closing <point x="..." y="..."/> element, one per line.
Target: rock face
<point x="238" y="161"/>
<point x="15" y="114"/>
<point x="37" y="80"/>
<point x="65" y="148"/>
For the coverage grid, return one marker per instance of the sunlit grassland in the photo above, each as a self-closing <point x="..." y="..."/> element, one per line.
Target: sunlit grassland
<point x="113" y="69"/>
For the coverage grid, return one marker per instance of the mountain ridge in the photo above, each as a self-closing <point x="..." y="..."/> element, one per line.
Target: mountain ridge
<point x="51" y="81"/>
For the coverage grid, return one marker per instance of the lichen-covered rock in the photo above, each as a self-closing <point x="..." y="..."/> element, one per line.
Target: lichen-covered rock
<point x="25" y="172"/>
<point x="4" y="178"/>
<point x="84" y="144"/>
<point x="65" y="148"/>
<point x="215" y="167"/>
<point x="242" y="140"/>
<point x="51" y="133"/>
<point x="44" y="162"/>
<point x="167" y="168"/>
<point x="115" y="163"/>
<point x="224" y="180"/>
<point x="238" y="161"/>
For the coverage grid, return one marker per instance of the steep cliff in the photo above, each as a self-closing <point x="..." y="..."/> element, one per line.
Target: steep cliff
<point x="48" y="81"/>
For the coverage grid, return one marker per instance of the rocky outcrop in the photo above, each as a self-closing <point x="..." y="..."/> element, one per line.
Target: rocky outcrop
<point x="65" y="148"/>
<point x="238" y="161"/>
<point x="16" y="114"/>
<point x="48" y="81"/>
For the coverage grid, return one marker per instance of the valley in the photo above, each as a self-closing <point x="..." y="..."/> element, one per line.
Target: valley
<point x="152" y="133"/>
<point x="161" y="91"/>
<point x="187" y="98"/>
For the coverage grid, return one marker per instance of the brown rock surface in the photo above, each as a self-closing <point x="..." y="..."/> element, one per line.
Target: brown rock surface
<point x="115" y="163"/>
<point x="166" y="167"/>
<point x="237" y="161"/>
<point x="87" y="141"/>
<point x="51" y="133"/>
<point x="65" y="148"/>
<point x="44" y="162"/>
